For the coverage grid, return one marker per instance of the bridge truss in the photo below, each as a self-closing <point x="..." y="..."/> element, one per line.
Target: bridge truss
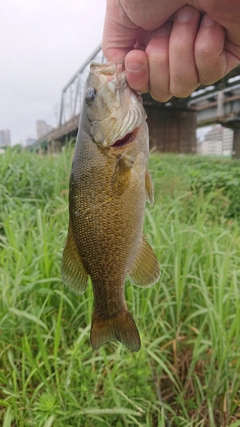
<point x="71" y="98"/>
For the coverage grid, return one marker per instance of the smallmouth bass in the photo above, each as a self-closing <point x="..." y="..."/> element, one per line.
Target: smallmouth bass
<point x="109" y="186"/>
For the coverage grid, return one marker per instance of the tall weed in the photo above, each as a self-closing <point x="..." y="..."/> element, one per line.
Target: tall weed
<point x="187" y="372"/>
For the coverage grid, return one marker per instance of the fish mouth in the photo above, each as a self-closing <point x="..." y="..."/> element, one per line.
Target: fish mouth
<point x="126" y="140"/>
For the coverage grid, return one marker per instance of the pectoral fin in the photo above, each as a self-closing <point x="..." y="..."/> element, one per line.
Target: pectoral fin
<point x="74" y="275"/>
<point x="122" y="174"/>
<point x="149" y="187"/>
<point x="145" y="270"/>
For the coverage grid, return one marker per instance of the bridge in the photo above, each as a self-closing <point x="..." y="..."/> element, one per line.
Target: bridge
<point x="172" y="124"/>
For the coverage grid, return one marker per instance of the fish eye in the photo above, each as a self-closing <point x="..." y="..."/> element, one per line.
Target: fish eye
<point x="90" y="95"/>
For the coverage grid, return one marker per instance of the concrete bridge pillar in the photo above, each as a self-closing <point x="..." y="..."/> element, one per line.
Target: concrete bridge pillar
<point x="236" y="144"/>
<point x="49" y="147"/>
<point x="54" y="146"/>
<point x="172" y="129"/>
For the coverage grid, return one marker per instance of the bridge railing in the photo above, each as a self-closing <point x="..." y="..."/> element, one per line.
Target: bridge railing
<point x="71" y="98"/>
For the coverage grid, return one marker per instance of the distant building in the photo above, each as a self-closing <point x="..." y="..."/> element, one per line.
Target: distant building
<point x="217" y="142"/>
<point x="5" y="138"/>
<point x="43" y="128"/>
<point x="29" y="141"/>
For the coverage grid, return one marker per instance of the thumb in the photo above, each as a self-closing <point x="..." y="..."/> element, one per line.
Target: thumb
<point x="119" y="33"/>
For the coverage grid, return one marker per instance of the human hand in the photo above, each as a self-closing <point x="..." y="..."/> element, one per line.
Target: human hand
<point x="170" y="48"/>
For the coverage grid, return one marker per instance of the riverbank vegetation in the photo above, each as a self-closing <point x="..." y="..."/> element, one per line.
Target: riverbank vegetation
<point x="187" y="373"/>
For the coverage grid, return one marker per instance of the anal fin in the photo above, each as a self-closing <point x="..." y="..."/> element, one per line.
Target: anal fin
<point x="73" y="273"/>
<point x="145" y="270"/>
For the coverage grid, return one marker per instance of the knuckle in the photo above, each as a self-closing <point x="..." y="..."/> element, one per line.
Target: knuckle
<point x="205" y="48"/>
<point x="202" y="51"/>
<point x="209" y="79"/>
<point x="161" y="97"/>
<point x="210" y="70"/>
<point x="156" y="57"/>
<point x="182" y="91"/>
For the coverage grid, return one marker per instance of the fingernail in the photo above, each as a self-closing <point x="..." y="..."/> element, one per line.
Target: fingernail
<point x="134" y="66"/>
<point x="185" y="14"/>
<point x="207" y="21"/>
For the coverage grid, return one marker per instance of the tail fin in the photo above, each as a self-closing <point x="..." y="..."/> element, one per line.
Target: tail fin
<point x="121" y="327"/>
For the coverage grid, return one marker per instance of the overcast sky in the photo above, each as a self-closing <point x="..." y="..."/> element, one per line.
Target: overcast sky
<point x="42" y="44"/>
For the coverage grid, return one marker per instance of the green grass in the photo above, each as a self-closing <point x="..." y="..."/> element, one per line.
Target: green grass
<point x="188" y="371"/>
